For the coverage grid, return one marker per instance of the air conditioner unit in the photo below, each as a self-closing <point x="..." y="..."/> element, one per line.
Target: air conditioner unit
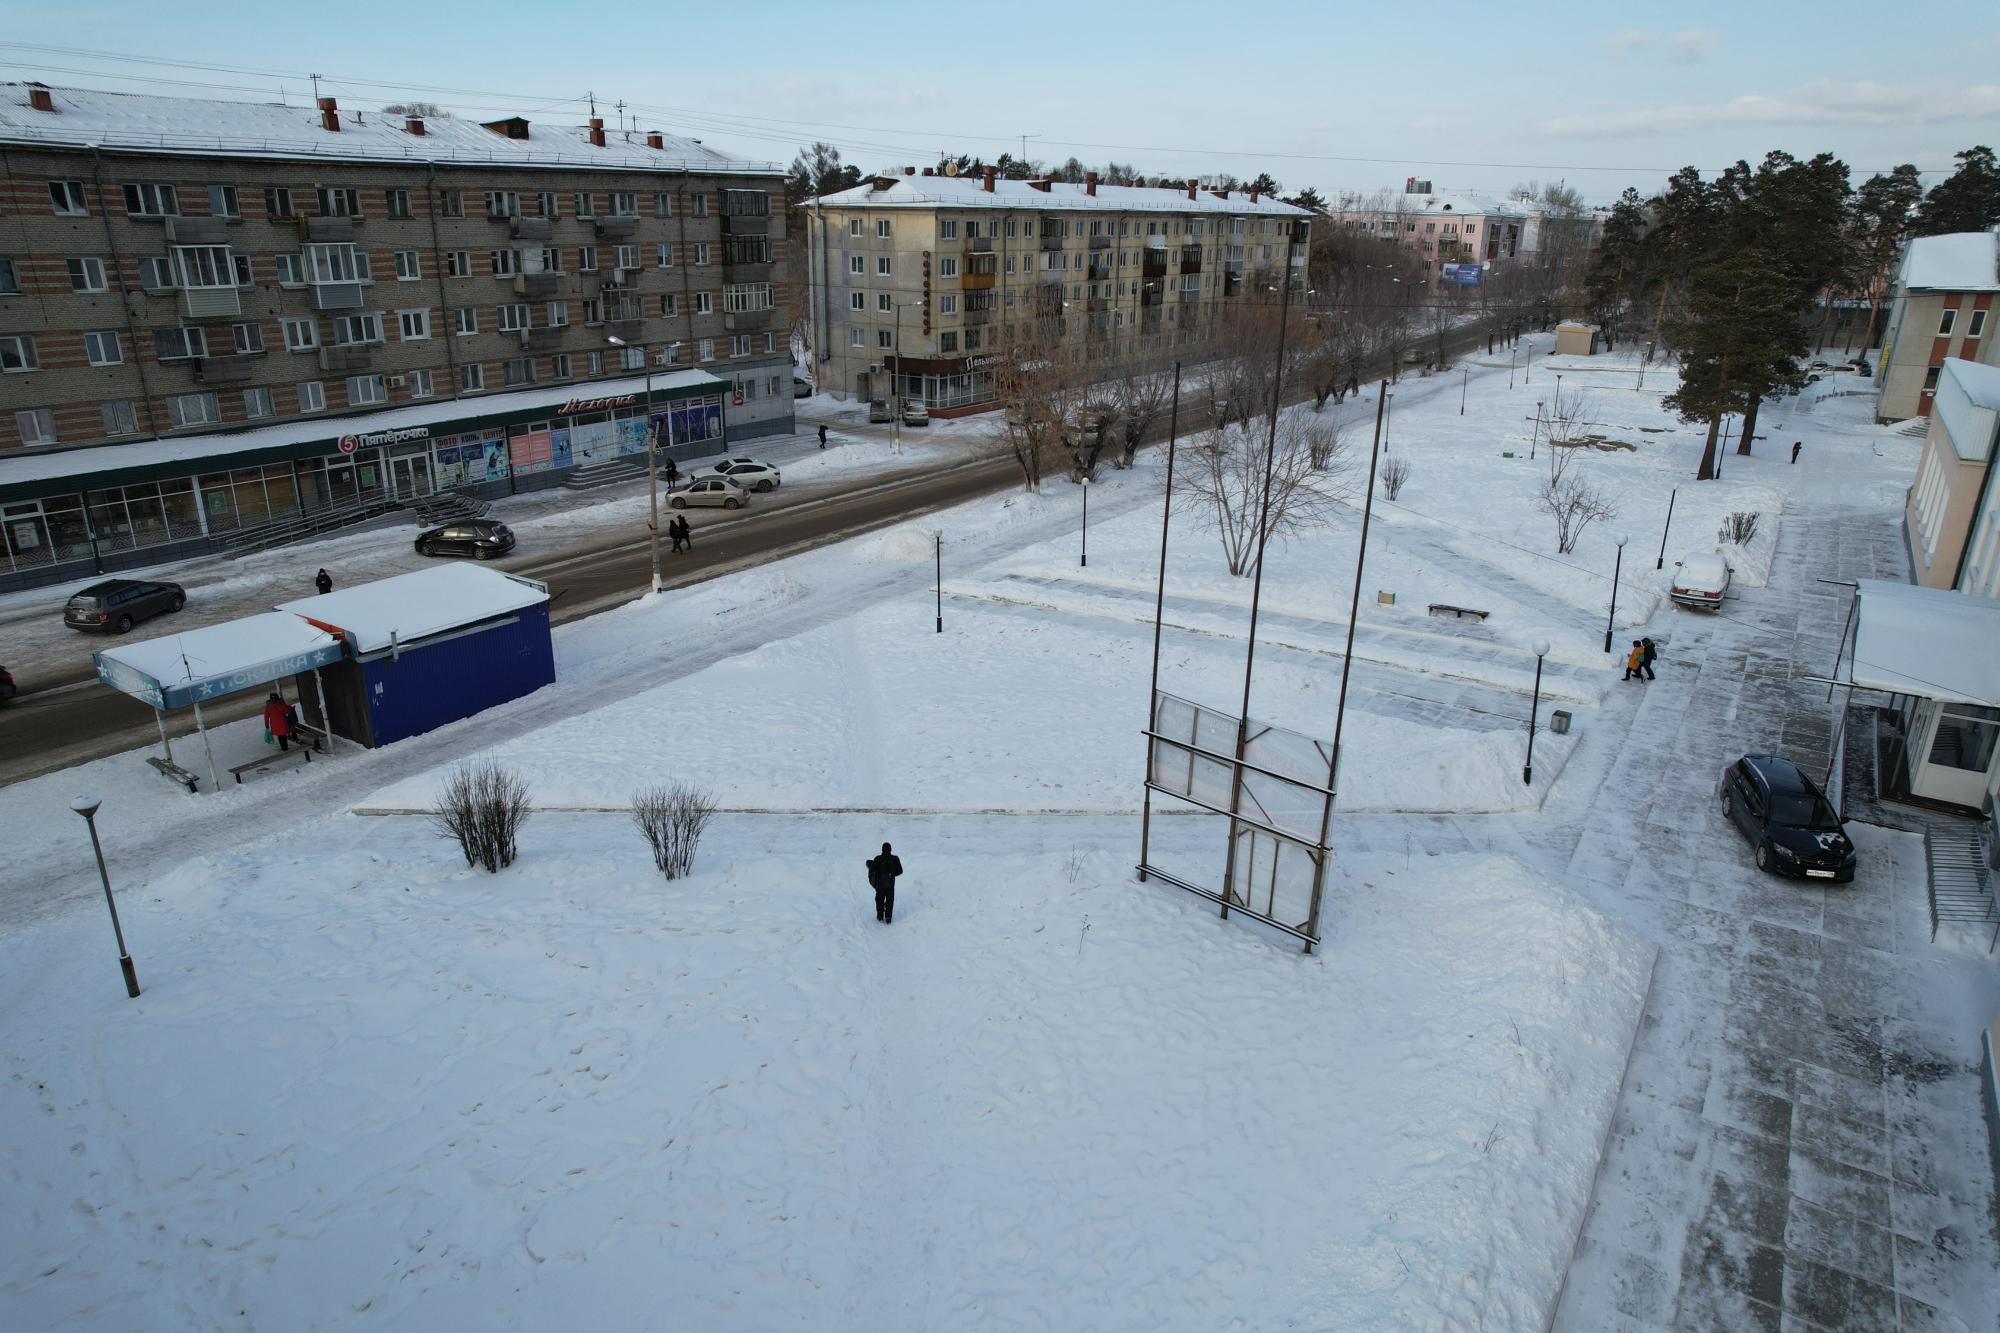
<point x="396" y="381"/>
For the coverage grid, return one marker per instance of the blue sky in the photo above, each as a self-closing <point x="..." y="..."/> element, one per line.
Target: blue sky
<point x="1336" y="95"/>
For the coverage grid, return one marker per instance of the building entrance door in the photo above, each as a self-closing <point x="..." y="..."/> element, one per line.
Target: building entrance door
<point x="410" y="477"/>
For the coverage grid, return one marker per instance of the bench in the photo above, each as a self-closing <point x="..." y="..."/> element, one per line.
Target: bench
<point x="265" y="761"/>
<point x="1442" y="609"/>
<point x="304" y="731"/>
<point x="172" y="770"/>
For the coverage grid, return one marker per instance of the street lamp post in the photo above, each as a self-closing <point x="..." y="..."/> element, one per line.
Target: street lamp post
<point x="1464" y="378"/>
<point x="1661" y="563"/>
<point x="895" y="373"/>
<point x="87" y="807"/>
<point x="1616" y="567"/>
<point x="1513" y="357"/>
<point x="1388" y="406"/>
<point x="1534" y="710"/>
<point x="1535" y="438"/>
<point x="937" y="554"/>
<point x="652" y="452"/>
<point x="1083" y="557"/>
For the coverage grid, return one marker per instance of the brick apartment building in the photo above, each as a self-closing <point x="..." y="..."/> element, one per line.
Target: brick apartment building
<point x="215" y="314"/>
<point x="921" y="279"/>
<point x="1457" y="234"/>
<point x="1942" y="308"/>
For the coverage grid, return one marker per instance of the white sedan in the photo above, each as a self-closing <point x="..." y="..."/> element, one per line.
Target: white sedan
<point x="745" y="472"/>
<point x="717" y="491"/>
<point x="1701" y="580"/>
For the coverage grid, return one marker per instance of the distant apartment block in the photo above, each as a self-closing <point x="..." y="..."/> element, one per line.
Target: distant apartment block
<point x="1942" y="308"/>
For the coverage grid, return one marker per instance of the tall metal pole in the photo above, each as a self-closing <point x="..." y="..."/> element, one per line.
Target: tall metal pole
<point x="895" y="373"/>
<point x="1083" y="557"/>
<point x="1612" y="615"/>
<point x="1159" y="611"/>
<point x="1536" y="435"/>
<point x="1513" y="356"/>
<point x="1464" y="378"/>
<point x="1534" y="712"/>
<point x="937" y="551"/>
<point x="1385" y="421"/>
<point x="652" y="463"/>
<point x="202" y="727"/>
<point x="87" y="807"/>
<point x="1661" y="563"/>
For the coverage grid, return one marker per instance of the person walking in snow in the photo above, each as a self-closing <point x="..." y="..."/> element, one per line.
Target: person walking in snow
<point x="673" y="474"/>
<point x="1647" y="657"/>
<point x="1635" y="661"/>
<point x="278" y="719"/>
<point x="1796" y="446"/>
<point x="324" y="582"/>
<point x="882" y="872"/>
<point x="683" y="536"/>
<point x="822" y="435"/>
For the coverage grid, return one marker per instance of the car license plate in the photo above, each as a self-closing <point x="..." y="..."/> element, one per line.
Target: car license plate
<point x="1819" y="874"/>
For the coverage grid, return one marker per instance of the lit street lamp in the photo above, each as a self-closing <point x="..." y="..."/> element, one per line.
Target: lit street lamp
<point x="1083" y="559"/>
<point x="87" y="807"/>
<point x="1534" y="709"/>
<point x="652" y="452"/>
<point x="937" y="554"/>
<point x="1621" y="539"/>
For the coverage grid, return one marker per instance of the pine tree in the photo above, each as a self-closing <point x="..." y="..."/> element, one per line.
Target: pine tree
<point x="1740" y="340"/>
<point x="1884" y="211"/>
<point x="1967" y="200"/>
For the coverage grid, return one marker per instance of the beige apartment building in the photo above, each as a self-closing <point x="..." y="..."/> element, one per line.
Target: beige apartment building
<point x="1949" y="517"/>
<point x="918" y="281"/>
<point x="1942" y="309"/>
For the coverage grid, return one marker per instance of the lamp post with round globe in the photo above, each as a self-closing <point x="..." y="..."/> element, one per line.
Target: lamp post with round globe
<point x="87" y="806"/>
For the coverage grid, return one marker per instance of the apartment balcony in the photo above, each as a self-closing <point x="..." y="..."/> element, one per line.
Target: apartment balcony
<point x="1100" y="242"/>
<point x="748" y="321"/>
<point x="544" y="283"/>
<point x="975" y="318"/>
<point x="1052" y="242"/>
<point x="211" y="302"/>
<point x="1190" y="294"/>
<point x="1099" y="272"/>
<point x="1156" y="242"/>
<point x="628" y="330"/>
<point x="618" y="277"/>
<point x="224" y="369"/>
<point x="979" y="245"/>
<point x="1190" y="259"/>
<point x="346" y="356"/>
<point x="1233" y="267"/>
<point x="336" y="295"/>
<point x="1153" y="264"/>
<point x="746" y="224"/>
<point x="533" y="229"/>
<point x="546" y="339"/>
<point x="1097" y="303"/>
<point x="198" y="231"/>
<point x="327" y="229"/>
<point x="1048" y="297"/>
<point x="978" y="282"/>
<point x="618" y="228"/>
<point x="758" y="271"/>
<point x="1151" y="294"/>
<point x="1051" y="275"/>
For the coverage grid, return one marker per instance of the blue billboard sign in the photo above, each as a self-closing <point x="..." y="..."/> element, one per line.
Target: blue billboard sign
<point x="1461" y="275"/>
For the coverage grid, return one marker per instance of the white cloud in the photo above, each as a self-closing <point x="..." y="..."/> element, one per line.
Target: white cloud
<point x="1686" y="47"/>
<point x="1824" y="103"/>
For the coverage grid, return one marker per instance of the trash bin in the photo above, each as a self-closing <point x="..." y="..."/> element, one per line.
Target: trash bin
<point x="1559" y="722"/>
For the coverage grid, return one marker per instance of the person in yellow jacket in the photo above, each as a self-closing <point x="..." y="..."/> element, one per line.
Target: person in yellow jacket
<point x="1635" y="661"/>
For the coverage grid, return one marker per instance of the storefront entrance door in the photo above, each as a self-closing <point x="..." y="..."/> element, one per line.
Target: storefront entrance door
<point x="410" y="477"/>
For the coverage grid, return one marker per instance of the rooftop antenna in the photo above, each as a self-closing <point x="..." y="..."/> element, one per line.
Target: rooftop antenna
<point x="593" y="102"/>
<point x="1024" y="149"/>
<point x="315" y="79"/>
<point x="621" y="114"/>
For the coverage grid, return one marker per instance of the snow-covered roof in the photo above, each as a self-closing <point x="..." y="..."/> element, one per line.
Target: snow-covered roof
<point x="1967" y="408"/>
<point x="17" y="469"/>
<point x="1437" y="203"/>
<point x="970" y="192"/>
<point x="142" y="122"/>
<point x="417" y="605"/>
<point x="1930" y="642"/>
<point x="1961" y="261"/>
<point x="176" y="670"/>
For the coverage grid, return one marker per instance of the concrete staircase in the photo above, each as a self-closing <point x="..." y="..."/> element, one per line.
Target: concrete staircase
<point x="1959" y="889"/>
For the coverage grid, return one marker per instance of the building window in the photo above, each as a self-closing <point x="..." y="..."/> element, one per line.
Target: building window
<point x="663" y="205"/>
<point x="67" y="198"/>
<point x="357" y="330"/>
<point x="559" y="366"/>
<point x="624" y="204"/>
<point x="398" y="202"/>
<point x="179" y="344"/>
<point x="628" y="257"/>
<point x="204" y="266"/>
<point x="854" y="226"/>
<point x="948" y="229"/>
<point x="334" y="264"/>
<point x="705" y="348"/>
<point x="883" y="338"/>
<point x="947" y="341"/>
<point x="739" y="344"/>
<point x="278" y="201"/>
<point x="857" y="265"/>
<point x="420" y="384"/>
<point x="698" y="206"/>
<point x="458" y="263"/>
<point x="222" y="201"/>
<point x="882" y="228"/>
<point x="1931" y="378"/>
<point x="518" y="370"/>
<point x="947" y="267"/>
<point x="593" y="312"/>
<point x="700" y="251"/>
<point x="670" y="306"/>
<point x="37" y="425"/>
<point x="586" y="259"/>
<point x="413" y="325"/>
<point x="947" y="305"/>
<point x="146" y="200"/>
<point x="1976" y="325"/>
<point x="513" y="318"/>
<point x="502" y="203"/>
<point x="593" y="363"/>
<point x="464" y="320"/>
<point x="244" y="277"/>
<point x="1945" y="322"/>
<point x="101" y="348"/>
<point x="884" y="302"/>
<point x="857" y="301"/>
<point x="854" y="338"/>
<point x="545" y="203"/>
<point x="193" y="409"/>
<point x="366" y="391"/>
<point x="451" y="203"/>
<point x="86" y="274"/>
<point x="291" y="270"/>
<point x="247" y="338"/>
<point x="558" y="312"/>
<point x="10" y="279"/>
<point x="408" y="267"/>
<point x="770" y="342"/>
<point x="552" y="260"/>
<point x="665" y="254"/>
<point x="119" y="418"/>
<point x="884" y="266"/>
<point x="471" y="378"/>
<point x="312" y="396"/>
<point x="585" y="206"/>
<point x="301" y="335"/>
<point x="338" y="201"/>
<point x="746" y="296"/>
<point x="505" y="263"/>
<point x="257" y="404"/>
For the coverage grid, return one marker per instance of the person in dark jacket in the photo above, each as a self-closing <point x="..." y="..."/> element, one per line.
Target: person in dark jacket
<point x="1647" y="657"/>
<point x="671" y="473"/>
<point x="682" y="535"/>
<point x="1796" y="446"/>
<point x="324" y="582"/>
<point x="278" y="720"/>
<point x="1635" y="662"/>
<point x="882" y="872"/>
<point x="822" y="435"/>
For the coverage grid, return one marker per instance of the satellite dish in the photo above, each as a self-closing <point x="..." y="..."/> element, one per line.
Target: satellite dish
<point x="951" y="168"/>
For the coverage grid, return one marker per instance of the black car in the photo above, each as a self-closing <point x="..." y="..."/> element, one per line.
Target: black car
<point x="1794" y="828"/>
<point x="482" y="538"/>
<point x="116" y="605"/>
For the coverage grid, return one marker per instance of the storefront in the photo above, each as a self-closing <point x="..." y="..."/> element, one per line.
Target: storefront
<point x="89" y="511"/>
<point x="948" y="386"/>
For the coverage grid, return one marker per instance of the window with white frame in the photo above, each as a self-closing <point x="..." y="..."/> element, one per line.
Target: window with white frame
<point x="628" y="256"/>
<point x="278" y="201"/>
<point x="664" y="253"/>
<point x="222" y="202"/>
<point x="120" y="418"/>
<point x="947" y="341"/>
<point x="586" y="259"/>
<point x="663" y="205"/>
<point x="257" y="404"/>
<point x="705" y="347"/>
<point x="357" y="328"/>
<point x="770" y="342"/>
<point x="471" y="378"/>
<point x="857" y="300"/>
<point x="545" y="203"/>
<point x="247" y="338"/>
<point x="854" y="226"/>
<point x="458" y="263"/>
<point x="312" y="396"/>
<point x="366" y="391"/>
<point x="398" y="201"/>
<point x="739" y="344"/>
<point x="948" y="266"/>
<point x="193" y="409"/>
<point x="86" y="274"/>
<point x="883" y="338"/>
<point x="338" y="201"/>
<point x="517" y="371"/>
<point x="409" y="268"/>
<point x="179" y="344"/>
<point x="301" y="335"/>
<point x="631" y="358"/>
<point x="857" y="265"/>
<point x="947" y="305"/>
<point x="101" y="348"/>
<point x="67" y="199"/>
<point x="502" y="203"/>
<point x="884" y="266"/>
<point x="670" y="306"/>
<point x="204" y="266"/>
<point x="559" y="366"/>
<point x="882" y="228"/>
<point x="291" y="270"/>
<point x="505" y="263"/>
<point x="947" y="229"/>
<point x="37" y="425"/>
<point x="451" y="203"/>
<point x="1945" y="323"/>
<point x="624" y="204"/>
<point x="700" y="250"/>
<point x="464" y="320"/>
<point x="336" y="262"/>
<point x="856" y="338"/>
<point x="884" y="302"/>
<point x="513" y="318"/>
<point x="147" y="200"/>
<point x="244" y="278"/>
<point x="746" y="296"/>
<point x="156" y="273"/>
<point x="704" y="303"/>
<point x="1975" y="325"/>
<point x="586" y="205"/>
<point x="552" y="259"/>
<point x="413" y="325"/>
<point x="558" y="314"/>
<point x="17" y="353"/>
<point x="420" y="384"/>
<point x="593" y="363"/>
<point x="698" y="207"/>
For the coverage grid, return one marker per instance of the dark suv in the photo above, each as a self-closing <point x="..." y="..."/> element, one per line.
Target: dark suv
<point x="480" y="537"/>
<point x="116" y="605"/>
<point x="1786" y="818"/>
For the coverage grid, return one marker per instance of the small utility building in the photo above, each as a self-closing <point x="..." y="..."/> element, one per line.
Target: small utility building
<point x="428" y="648"/>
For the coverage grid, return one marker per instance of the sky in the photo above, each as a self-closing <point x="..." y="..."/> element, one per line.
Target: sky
<point x="1336" y="95"/>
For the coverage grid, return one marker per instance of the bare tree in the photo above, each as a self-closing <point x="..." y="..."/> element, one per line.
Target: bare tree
<point x="425" y="110"/>
<point x="1043" y="390"/>
<point x="1394" y="472"/>
<point x="1565" y="417"/>
<point x="1141" y="391"/>
<point x="672" y="819"/>
<point x="1571" y="501"/>
<point x="1226" y="480"/>
<point x="482" y="806"/>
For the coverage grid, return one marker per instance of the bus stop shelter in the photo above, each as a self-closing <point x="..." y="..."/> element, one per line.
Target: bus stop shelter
<point x="178" y="671"/>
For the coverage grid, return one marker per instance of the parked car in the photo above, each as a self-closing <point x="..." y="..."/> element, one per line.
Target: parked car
<point x="1819" y="365"/>
<point x="746" y="472"/>
<point x="1701" y="581"/>
<point x="7" y="690"/>
<point x="722" y="491"/>
<point x="481" y="538"/>
<point x="116" y="605"/>
<point x="915" y="413"/>
<point x="1861" y="366"/>
<point x="801" y="387"/>
<point x="878" y="411"/>
<point x="1794" y="828"/>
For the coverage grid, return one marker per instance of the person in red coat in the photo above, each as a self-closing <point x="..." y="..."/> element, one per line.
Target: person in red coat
<point x="278" y="719"/>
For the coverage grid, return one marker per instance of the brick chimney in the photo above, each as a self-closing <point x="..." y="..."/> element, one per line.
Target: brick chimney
<point x="927" y="171"/>
<point x="656" y="140"/>
<point x="1191" y="188"/>
<point x="41" y="99"/>
<point x="1090" y="183"/>
<point x="1043" y="186"/>
<point x="911" y="171"/>
<point x="597" y="130"/>
<point x="415" y="125"/>
<point x="1253" y="194"/>
<point x="329" y="114"/>
<point x="989" y="174"/>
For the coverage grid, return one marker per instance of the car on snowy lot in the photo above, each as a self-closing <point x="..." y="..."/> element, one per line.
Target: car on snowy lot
<point x="1794" y="828"/>
<point x="745" y="472"/>
<point x="116" y="605"/>
<point x="1701" y="581"/>
<point x="7" y="690"/>
<point x="879" y="411"/>
<point x="722" y="492"/>
<point x="801" y="387"/>
<point x="915" y="413"/>
<point x="480" y="538"/>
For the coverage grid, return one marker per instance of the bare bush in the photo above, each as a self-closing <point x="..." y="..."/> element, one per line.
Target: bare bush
<point x="1574" y="504"/>
<point x="672" y="818"/>
<point x="1738" y="528"/>
<point x="1309" y="475"/>
<point x="1395" y="471"/>
<point x="482" y="806"/>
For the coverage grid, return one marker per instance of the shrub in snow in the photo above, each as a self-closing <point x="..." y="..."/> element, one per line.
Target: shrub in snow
<point x="483" y="805"/>
<point x="1571" y="501"/>
<point x="1233" y="469"/>
<point x="1739" y="528"/>
<point x="672" y="818"/>
<point x="1394" y="473"/>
